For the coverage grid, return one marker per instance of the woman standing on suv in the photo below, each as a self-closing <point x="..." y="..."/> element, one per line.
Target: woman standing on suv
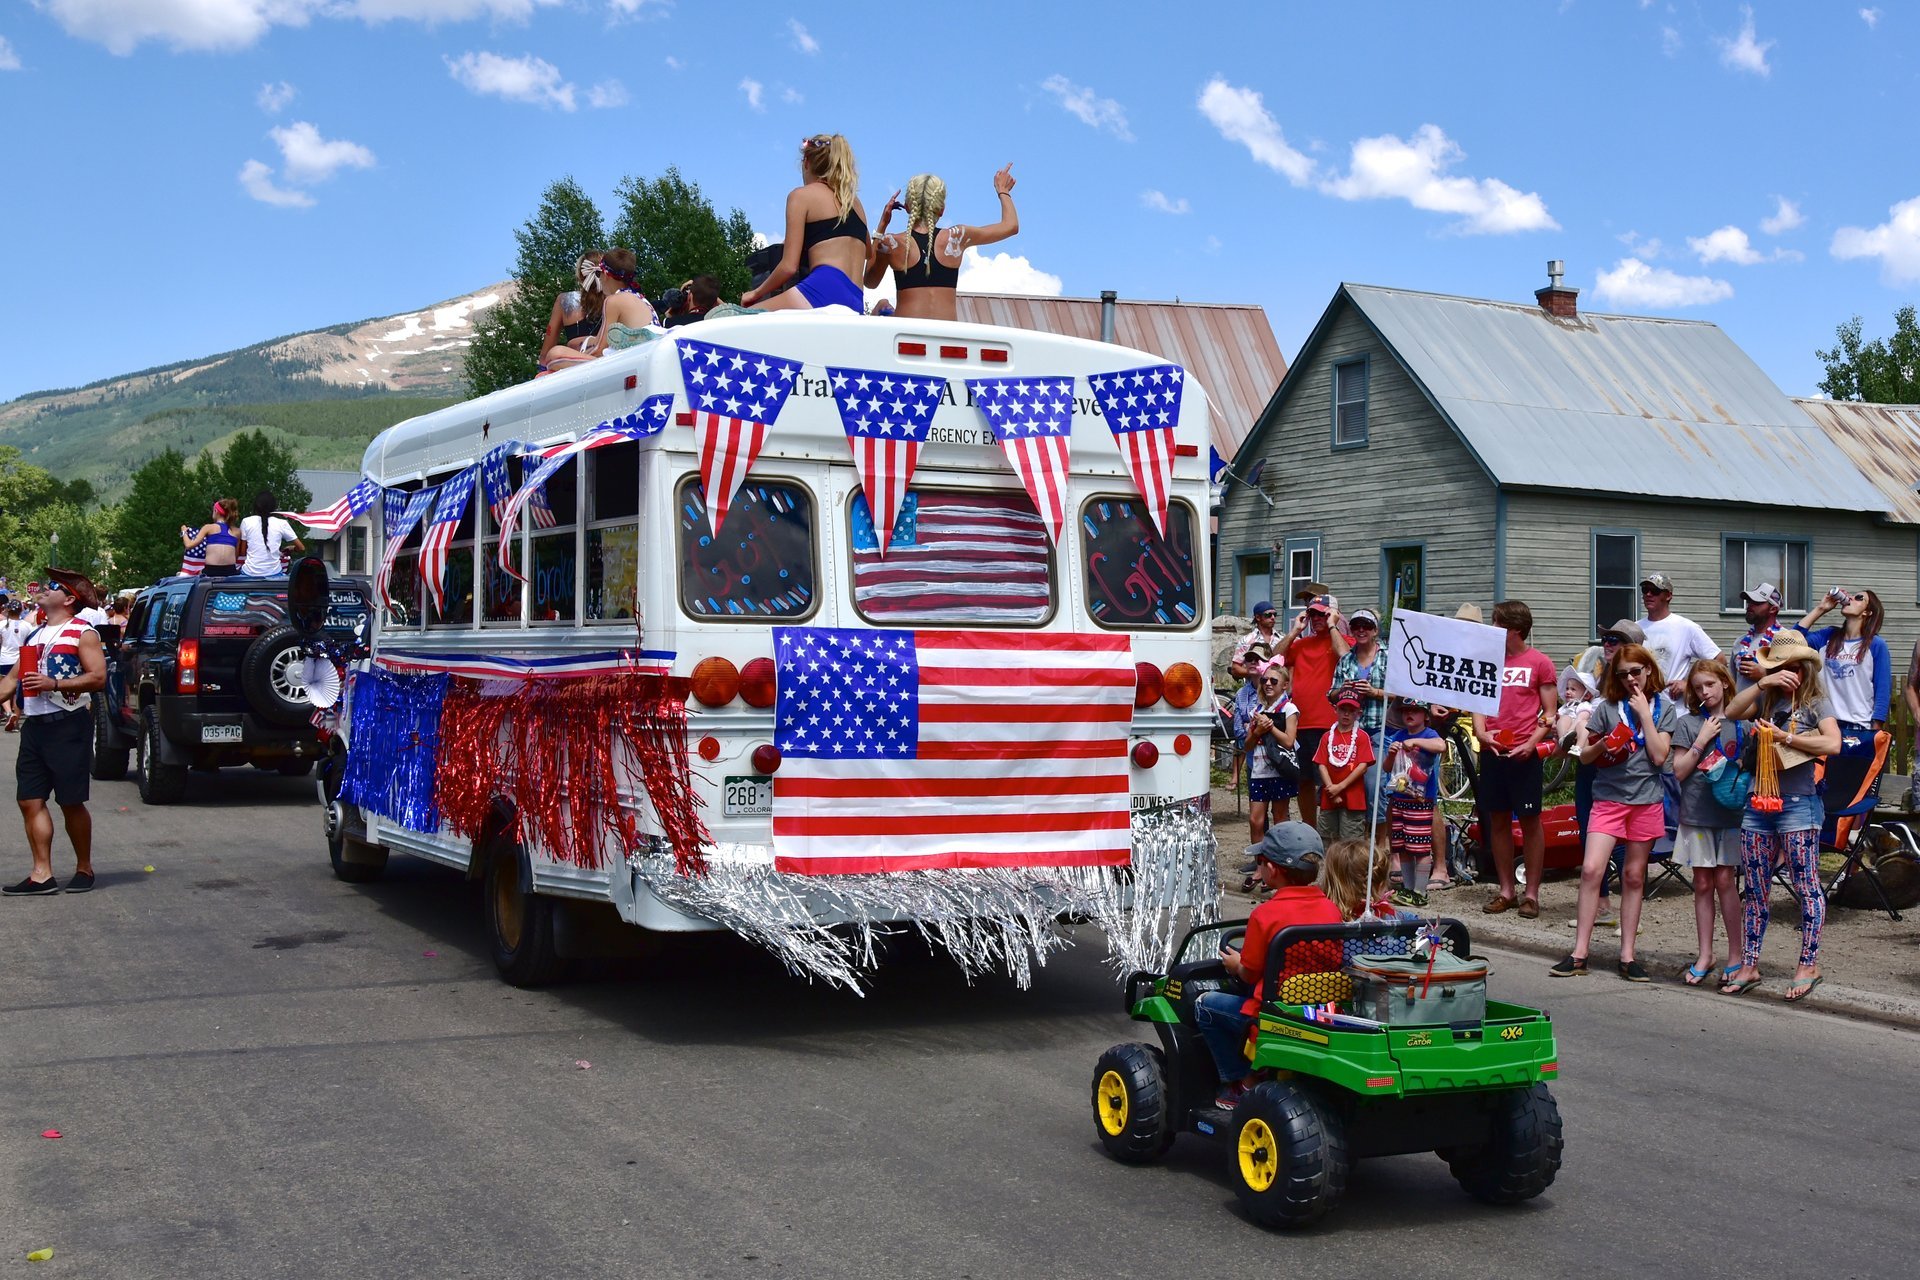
<point x="262" y="535"/>
<point x="217" y="540"/>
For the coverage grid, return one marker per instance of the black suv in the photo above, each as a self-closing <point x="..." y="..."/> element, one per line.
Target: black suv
<point x="207" y="674"/>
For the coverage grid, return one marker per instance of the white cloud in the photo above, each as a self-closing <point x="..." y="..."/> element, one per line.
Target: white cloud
<point x="526" y="79"/>
<point x="1896" y="242"/>
<point x="1871" y="17"/>
<point x="1728" y="244"/>
<point x="756" y="93"/>
<point x="308" y="158"/>
<point x="1213" y="244"/>
<point x="792" y="97"/>
<point x="1005" y="273"/>
<point x="1159" y="203"/>
<point x="1241" y="117"/>
<point x="608" y="93"/>
<point x="1744" y="52"/>
<point x="1670" y="42"/>
<point x="1786" y="216"/>
<point x="1082" y="103"/>
<point x="123" y="25"/>
<point x="273" y="98"/>
<point x="640" y="8"/>
<point x="256" y="179"/>
<point x="9" y="60"/>
<point x="802" y="39"/>
<point x="674" y="64"/>
<point x="1641" y="246"/>
<point x="1635" y="284"/>
<point x="1414" y="170"/>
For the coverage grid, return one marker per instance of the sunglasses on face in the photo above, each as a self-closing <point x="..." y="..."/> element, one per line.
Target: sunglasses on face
<point x="1362" y="626"/>
<point x="1269" y="680"/>
<point x="1258" y="616"/>
<point x="1610" y="642"/>
<point x="1633" y="672"/>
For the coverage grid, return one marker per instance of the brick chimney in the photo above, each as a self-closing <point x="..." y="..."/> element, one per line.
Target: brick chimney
<point x="1557" y="299"/>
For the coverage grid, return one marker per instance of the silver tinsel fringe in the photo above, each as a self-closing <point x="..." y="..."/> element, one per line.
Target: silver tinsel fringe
<point x="995" y="919"/>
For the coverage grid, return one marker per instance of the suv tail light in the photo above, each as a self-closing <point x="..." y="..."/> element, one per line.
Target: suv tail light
<point x="757" y="683"/>
<point x="1183" y="684"/>
<point x="187" y="670"/>
<point x="715" y="682"/>
<point x="1146" y="684"/>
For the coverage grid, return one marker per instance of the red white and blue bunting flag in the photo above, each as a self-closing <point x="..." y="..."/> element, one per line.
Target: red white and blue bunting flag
<point x="1033" y="420"/>
<point x="887" y="417"/>
<point x="414" y="505"/>
<point x="448" y="511"/>
<point x="334" y="518"/>
<point x="493" y="666"/>
<point x="649" y="419"/>
<point x="1142" y="407"/>
<point x="736" y="395"/>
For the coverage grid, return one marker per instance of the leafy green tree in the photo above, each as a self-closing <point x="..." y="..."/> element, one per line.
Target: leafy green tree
<point x="506" y="339"/>
<point x="1883" y="371"/>
<point x="253" y="461"/>
<point x="145" y="534"/>
<point x="674" y="232"/>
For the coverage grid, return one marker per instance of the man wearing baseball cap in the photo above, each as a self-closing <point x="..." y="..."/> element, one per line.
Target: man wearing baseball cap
<point x="1763" y="619"/>
<point x="1676" y="642"/>
<point x="56" y="744"/>
<point x="1287" y="860"/>
<point x="1307" y="645"/>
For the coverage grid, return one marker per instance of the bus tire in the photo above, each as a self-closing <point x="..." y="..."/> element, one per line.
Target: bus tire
<point x="520" y="923"/>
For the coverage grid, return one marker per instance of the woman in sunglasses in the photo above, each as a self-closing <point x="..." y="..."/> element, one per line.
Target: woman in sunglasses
<point x="1628" y="738"/>
<point x="1859" y="670"/>
<point x="1271" y="733"/>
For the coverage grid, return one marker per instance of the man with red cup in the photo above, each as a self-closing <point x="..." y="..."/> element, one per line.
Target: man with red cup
<point x="61" y="664"/>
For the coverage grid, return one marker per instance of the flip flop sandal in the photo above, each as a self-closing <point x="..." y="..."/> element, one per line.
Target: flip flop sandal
<point x="1739" y="988"/>
<point x="1727" y="972"/>
<point x="1810" y="984"/>
<point x="1695" y="975"/>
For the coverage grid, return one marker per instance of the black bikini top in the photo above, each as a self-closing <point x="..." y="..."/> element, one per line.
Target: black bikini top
<point x="929" y="272"/>
<point x="852" y="225"/>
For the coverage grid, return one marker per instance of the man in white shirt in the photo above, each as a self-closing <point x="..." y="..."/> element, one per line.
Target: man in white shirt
<point x="1676" y="642"/>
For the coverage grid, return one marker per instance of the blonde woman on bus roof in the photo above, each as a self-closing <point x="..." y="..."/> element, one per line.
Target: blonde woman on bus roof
<point x="827" y="227"/>
<point x="926" y="260"/>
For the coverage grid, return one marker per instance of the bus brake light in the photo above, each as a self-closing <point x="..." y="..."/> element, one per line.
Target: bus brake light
<point x="1145" y="754"/>
<point x="757" y="683"/>
<point x="1146" y="684"/>
<point x="766" y="758"/>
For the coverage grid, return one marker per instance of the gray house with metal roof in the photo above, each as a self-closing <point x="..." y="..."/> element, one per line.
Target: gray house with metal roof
<point x="1475" y="450"/>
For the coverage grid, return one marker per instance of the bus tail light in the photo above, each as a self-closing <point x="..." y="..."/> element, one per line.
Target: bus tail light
<point x="1183" y="685"/>
<point x="766" y="758"/>
<point x="187" y="672"/>
<point x="1145" y="754"/>
<point x="709" y="748"/>
<point x="756" y="683"/>
<point x="1182" y="744"/>
<point x="715" y="682"/>
<point x="1146" y="684"/>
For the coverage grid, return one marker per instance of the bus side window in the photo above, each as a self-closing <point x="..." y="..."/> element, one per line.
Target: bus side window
<point x="1136" y="578"/>
<point x="613" y="533"/>
<point x="761" y="565"/>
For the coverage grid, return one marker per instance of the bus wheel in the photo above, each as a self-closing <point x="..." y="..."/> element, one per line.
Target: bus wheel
<point x="520" y="923"/>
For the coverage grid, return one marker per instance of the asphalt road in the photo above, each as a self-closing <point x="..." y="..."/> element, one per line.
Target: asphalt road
<point x="259" y="1071"/>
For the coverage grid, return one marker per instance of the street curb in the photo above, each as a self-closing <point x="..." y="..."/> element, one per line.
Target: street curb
<point x="1850" y="1002"/>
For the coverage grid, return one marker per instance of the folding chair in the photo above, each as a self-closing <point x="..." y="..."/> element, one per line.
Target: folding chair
<point x="1852" y="780"/>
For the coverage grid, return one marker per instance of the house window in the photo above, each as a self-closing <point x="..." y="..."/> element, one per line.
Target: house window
<point x="355" y="560"/>
<point x="1747" y="562"/>
<point x="1303" y="567"/>
<point x="1350" y="404"/>
<point x="1616" y="578"/>
<point x="1252" y="580"/>
<point x="1403" y="576"/>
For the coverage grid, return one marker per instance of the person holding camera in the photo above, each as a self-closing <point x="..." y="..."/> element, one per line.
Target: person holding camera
<point x="695" y="298"/>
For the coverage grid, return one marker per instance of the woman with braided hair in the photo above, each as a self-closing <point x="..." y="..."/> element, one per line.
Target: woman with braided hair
<point x="827" y="227"/>
<point x="926" y="260"/>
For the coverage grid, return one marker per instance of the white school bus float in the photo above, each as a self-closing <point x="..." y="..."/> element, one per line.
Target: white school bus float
<point x="624" y="574"/>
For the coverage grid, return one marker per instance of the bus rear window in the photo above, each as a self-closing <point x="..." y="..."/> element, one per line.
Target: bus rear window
<point x="761" y="565"/>
<point x="1136" y="578"/>
<point x="978" y="556"/>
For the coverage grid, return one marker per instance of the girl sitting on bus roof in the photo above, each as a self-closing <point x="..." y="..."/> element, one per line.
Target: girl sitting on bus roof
<point x="826" y="225"/>
<point x="926" y="260"/>
<point x="626" y="317"/>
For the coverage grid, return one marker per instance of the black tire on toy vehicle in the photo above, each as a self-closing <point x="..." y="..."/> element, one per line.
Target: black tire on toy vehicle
<point x="264" y="677"/>
<point x="1130" y="1112"/>
<point x="109" y="761"/>
<point x="520" y="924"/>
<point x="160" y="782"/>
<point x="1521" y="1154"/>
<point x="1287" y="1155"/>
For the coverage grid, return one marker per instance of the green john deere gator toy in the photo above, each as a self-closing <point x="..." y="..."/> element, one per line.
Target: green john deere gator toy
<point x="1334" y="1085"/>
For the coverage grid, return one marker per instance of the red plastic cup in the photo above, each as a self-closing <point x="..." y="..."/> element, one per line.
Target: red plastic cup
<point x="29" y="660"/>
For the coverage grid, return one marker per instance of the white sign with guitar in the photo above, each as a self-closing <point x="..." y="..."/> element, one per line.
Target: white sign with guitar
<point x="1446" y="660"/>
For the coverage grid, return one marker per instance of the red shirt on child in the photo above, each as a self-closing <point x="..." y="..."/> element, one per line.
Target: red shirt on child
<point x="1358" y="754"/>
<point x="1290" y="904"/>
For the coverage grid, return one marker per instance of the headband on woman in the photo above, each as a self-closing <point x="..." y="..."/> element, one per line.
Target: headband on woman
<point x="626" y="277"/>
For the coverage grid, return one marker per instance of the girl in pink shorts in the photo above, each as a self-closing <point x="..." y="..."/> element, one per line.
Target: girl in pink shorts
<point x="1627" y="740"/>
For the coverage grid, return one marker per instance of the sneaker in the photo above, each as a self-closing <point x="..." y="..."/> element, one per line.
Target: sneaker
<point x="1408" y="898"/>
<point x="1570" y="967"/>
<point x="1608" y="919"/>
<point x="1230" y="1097"/>
<point x="80" y="882"/>
<point x="30" y="887"/>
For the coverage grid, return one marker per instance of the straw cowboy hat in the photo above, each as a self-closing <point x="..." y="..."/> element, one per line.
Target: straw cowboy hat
<point x="1787" y="645"/>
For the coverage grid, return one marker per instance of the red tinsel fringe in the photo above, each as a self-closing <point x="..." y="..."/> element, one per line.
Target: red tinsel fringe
<point x="549" y="747"/>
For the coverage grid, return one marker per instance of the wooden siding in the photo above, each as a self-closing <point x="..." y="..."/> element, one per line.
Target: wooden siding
<point x="1413" y="482"/>
<point x="1549" y="561"/>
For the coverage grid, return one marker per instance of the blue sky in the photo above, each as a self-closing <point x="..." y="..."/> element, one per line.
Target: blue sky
<point x="187" y="176"/>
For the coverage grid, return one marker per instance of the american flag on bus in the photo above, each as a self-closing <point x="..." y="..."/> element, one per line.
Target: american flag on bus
<point x="448" y="511"/>
<point x="910" y="750"/>
<point x="336" y="517"/>
<point x="887" y="417"/>
<point x="1142" y="407"/>
<point x="412" y="507"/>
<point x="496" y="480"/>
<point x="957" y="556"/>
<point x="647" y="420"/>
<point x="1032" y="418"/>
<point x="736" y="395"/>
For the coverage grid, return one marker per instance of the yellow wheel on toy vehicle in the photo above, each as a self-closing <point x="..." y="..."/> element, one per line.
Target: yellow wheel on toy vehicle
<point x="1110" y="1102"/>
<point x="1131" y="1113"/>
<point x="1259" y="1155"/>
<point x="1287" y="1154"/>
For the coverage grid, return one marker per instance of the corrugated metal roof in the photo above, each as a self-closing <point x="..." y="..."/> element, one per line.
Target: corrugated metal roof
<point x="1229" y="347"/>
<point x="1623" y="404"/>
<point x="327" y="487"/>
<point x="1883" y="441"/>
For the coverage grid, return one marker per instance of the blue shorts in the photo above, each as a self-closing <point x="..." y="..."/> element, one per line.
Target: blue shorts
<point x="1263" y="790"/>
<point x="826" y="286"/>
<point x="1797" y="813"/>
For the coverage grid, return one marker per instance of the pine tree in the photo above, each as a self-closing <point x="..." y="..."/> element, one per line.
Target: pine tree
<point x="145" y="537"/>
<point x="506" y="339"/>
<point x="254" y="461"/>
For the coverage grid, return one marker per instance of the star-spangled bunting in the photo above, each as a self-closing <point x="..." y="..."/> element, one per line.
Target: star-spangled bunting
<point x="448" y="512"/>
<point x="1142" y="407"/>
<point x="887" y="417"/>
<point x="333" y="519"/>
<point x="495" y="480"/>
<point x="1032" y="418"/>
<point x="412" y="507"/>
<point x="648" y="420"/>
<point x="736" y="395"/>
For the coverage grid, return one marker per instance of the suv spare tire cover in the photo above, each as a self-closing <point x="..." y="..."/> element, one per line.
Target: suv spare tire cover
<point x="276" y="647"/>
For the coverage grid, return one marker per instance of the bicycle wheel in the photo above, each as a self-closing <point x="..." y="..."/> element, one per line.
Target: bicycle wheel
<point x="1455" y="782"/>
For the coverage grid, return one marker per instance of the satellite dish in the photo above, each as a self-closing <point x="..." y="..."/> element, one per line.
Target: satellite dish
<point x="322" y="681"/>
<point x="1257" y="470"/>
